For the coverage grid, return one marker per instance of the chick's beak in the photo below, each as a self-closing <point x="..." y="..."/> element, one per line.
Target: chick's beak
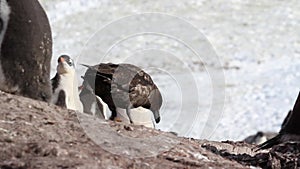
<point x="61" y="59"/>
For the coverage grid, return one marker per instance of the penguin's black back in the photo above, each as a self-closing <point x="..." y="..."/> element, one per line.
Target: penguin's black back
<point x="26" y="50"/>
<point x="291" y="123"/>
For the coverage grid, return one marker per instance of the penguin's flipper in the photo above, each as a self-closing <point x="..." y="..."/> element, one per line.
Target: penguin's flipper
<point x="61" y="100"/>
<point x="270" y="143"/>
<point x="55" y="82"/>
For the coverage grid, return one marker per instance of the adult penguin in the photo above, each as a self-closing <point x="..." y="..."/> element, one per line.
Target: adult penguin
<point x="26" y="49"/>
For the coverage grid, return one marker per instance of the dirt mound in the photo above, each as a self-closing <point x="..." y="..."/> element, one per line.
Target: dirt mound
<point x="36" y="134"/>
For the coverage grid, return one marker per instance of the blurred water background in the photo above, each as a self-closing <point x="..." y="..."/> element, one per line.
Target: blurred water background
<point x="257" y="42"/>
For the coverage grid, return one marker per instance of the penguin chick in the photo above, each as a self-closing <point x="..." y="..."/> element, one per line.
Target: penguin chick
<point x="92" y="104"/>
<point x="260" y="137"/>
<point x="65" y="85"/>
<point x="139" y="115"/>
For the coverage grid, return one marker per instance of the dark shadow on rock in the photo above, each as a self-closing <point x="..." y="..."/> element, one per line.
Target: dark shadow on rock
<point x="285" y="155"/>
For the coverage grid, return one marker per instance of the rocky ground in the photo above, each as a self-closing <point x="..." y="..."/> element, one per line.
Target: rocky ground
<point x="35" y="134"/>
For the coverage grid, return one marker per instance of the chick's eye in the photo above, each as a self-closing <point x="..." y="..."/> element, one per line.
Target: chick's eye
<point x="70" y="63"/>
